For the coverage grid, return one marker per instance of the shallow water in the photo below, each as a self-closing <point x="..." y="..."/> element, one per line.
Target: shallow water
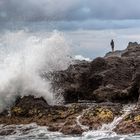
<point x="34" y="132"/>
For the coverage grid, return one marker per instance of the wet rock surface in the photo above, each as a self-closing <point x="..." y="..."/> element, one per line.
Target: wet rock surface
<point x="29" y="106"/>
<point x="94" y="94"/>
<point x="130" y="123"/>
<point x="71" y="119"/>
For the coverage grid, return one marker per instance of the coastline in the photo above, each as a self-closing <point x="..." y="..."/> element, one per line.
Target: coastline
<point x="104" y="85"/>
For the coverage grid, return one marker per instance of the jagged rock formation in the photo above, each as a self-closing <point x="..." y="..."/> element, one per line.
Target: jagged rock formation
<point x="111" y="78"/>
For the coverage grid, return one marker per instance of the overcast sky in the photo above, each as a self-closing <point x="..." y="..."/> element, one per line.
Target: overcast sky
<point x="73" y="14"/>
<point x="90" y="24"/>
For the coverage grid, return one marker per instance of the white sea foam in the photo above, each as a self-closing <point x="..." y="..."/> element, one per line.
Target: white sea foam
<point x="23" y="58"/>
<point x="80" y="57"/>
<point x="35" y="132"/>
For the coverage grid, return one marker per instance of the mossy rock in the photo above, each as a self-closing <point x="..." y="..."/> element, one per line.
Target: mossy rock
<point x="105" y="115"/>
<point x="137" y="118"/>
<point x="101" y="114"/>
<point x="18" y="111"/>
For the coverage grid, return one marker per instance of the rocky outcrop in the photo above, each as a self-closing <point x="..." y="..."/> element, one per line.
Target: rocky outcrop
<point x="133" y="50"/>
<point x="29" y="106"/>
<point x="113" y="79"/>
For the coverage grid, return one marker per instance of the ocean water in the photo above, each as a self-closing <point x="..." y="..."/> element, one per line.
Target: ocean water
<point x="34" y="132"/>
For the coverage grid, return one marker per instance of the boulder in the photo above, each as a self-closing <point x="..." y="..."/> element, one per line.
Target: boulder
<point x="29" y="106"/>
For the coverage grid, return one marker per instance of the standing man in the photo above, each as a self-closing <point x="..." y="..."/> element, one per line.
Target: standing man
<point x="112" y="45"/>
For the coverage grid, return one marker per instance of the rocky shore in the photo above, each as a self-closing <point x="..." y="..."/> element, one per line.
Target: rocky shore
<point x="94" y="93"/>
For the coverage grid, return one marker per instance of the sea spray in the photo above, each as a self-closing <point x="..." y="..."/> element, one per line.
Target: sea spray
<point x="23" y="58"/>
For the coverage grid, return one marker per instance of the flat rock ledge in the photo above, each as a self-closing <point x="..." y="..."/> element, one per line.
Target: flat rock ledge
<point x="70" y="119"/>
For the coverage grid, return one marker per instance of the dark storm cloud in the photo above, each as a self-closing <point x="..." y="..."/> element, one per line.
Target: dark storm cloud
<point x="36" y="10"/>
<point x="67" y="10"/>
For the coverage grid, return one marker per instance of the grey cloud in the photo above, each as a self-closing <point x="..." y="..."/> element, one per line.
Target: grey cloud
<point x="111" y="9"/>
<point x="36" y="10"/>
<point x="68" y="10"/>
<point x="71" y="25"/>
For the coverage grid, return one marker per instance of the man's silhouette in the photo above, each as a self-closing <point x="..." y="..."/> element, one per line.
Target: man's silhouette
<point x="112" y="45"/>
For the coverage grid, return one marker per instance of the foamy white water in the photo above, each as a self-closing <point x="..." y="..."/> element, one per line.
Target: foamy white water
<point x="35" y="132"/>
<point x="23" y="58"/>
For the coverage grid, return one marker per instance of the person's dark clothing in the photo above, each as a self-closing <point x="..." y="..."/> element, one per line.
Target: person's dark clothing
<point x="112" y="45"/>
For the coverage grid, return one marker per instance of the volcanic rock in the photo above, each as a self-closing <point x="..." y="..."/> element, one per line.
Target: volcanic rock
<point x="29" y="106"/>
<point x="107" y="79"/>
